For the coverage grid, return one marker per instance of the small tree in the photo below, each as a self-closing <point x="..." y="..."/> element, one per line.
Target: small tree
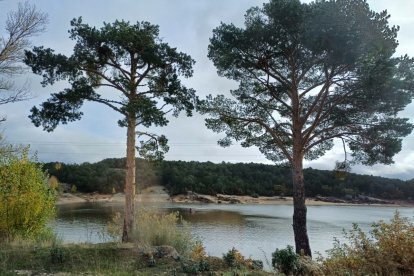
<point x="309" y="74"/>
<point x="53" y="183"/>
<point x="136" y="65"/>
<point x="21" y="25"/>
<point x="26" y="202"/>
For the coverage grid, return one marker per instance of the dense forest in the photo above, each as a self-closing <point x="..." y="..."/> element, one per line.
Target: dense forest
<point x="253" y="179"/>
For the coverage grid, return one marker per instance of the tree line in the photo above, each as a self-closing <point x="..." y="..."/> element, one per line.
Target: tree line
<point x="253" y="179"/>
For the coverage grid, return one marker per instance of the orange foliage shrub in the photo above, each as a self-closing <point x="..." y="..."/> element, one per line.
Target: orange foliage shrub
<point x="388" y="250"/>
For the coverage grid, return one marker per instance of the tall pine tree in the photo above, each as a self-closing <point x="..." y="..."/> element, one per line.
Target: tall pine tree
<point x="309" y="74"/>
<point x="141" y="70"/>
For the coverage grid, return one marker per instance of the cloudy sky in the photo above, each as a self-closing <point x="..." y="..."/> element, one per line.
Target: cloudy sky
<point x="187" y="25"/>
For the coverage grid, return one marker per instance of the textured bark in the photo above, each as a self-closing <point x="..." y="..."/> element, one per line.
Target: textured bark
<point x="129" y="182"/>
<point x="299" y="208"/>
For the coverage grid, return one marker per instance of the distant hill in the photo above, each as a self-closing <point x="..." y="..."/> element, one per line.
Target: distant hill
<point x="226" y="178"/>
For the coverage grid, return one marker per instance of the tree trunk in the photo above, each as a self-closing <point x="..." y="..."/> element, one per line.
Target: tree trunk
<point x="129" y="182"/>
<point x="299" y="208"/>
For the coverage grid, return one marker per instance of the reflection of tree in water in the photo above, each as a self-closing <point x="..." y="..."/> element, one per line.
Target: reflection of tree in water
<point x="212" y="217"/>
<point x="90" y="212"/>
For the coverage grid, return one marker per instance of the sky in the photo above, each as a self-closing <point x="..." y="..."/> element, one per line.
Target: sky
<point x="187" y="25"/>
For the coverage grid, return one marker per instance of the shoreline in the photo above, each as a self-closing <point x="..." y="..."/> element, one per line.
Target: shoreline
<point x="158" y="194"/>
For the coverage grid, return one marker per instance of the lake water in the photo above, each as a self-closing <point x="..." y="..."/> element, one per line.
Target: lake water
<point x="255" y="230"/>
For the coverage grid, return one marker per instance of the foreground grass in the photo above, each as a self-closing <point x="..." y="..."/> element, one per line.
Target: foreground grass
<point x="162" y="246"/>
<point x="98" y="259"/>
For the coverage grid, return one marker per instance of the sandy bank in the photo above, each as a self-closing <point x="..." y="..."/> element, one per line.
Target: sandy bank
<point x="231" y="199"/>
<point x="159" y="194"/>
<point x="276" y="200"/>
<point x="151" y="194"/>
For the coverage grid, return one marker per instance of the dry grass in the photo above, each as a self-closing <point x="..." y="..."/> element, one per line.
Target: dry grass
<point x="97" y="259"/>
<point x="153" y="228"/>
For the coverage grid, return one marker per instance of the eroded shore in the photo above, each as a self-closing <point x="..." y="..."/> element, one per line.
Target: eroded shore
<point x="159" y="194"/>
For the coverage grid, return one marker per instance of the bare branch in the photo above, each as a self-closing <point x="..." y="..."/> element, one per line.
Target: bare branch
<point x="21" y="25"/>
<point x="10" y="95"/>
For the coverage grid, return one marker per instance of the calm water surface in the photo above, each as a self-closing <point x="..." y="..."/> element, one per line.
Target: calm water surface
<point x="256" y="230"/>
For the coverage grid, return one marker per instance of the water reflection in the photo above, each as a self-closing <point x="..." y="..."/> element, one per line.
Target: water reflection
<point x="213" y="217"/>
<point x="256" y="230"/>
<point x="86" y="211"/>
<point x="84" y="222"/>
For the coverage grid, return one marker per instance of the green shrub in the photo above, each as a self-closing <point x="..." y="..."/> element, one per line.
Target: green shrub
<point x="234" y="258"/>
<point x="256" y="264"/>
<point x="26" y="202"/>
<point x="194" y="268"/>
<point x="57" y="255"/>
<point x="285" y="260"/>
<point x="387" y="250"/>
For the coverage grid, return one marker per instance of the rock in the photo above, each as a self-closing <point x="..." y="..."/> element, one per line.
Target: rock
<point x="234" y="201"/>
<point x="227" y="198"/>
<point x="348" y="197"/>
<point x="162" y="251"/>
<point x="166" y="251"/>
<point x="204" y="199"/>
<point x="151" y="261"/>
<point x="309" y="267"/>
<point x="377" y="200"/>
<point x="330" y="199"/>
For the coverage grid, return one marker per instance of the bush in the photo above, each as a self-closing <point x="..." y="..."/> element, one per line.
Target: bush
<point x="53" y="183"/>
<point x="234" y="258"/>
<point x="388" y="251"/>
<point x="198" y="252"/>
<point x="309" y="267"/>
<point x="57" y="255"/>
<point x="195" y="268"/>
<point x="285" y="260"/>
<point x="26" y="202"/>
<point x="154" y="228"/>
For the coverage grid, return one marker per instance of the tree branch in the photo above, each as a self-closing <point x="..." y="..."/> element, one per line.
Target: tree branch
<point x="269" y="130"/>
<point x="110" y="104"/>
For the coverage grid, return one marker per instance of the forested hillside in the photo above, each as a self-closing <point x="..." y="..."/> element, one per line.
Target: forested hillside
<point x="225" y="178"/>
